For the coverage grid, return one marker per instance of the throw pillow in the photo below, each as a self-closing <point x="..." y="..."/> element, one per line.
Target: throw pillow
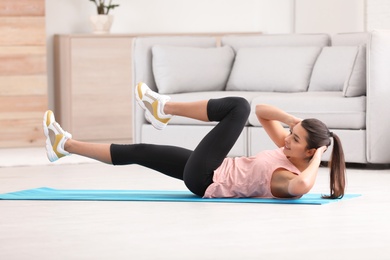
<point x="355" y="84"/>
<point x="273" y="69"/>
<point x="191" y="69"/>
<point x="332" y="68"/>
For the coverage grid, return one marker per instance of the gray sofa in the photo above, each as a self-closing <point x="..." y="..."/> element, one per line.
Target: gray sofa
<point x="343" y="80"/>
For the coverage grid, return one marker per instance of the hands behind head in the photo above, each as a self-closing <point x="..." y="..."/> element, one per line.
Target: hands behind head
<point x="294" y="121"/>
<point x="321" y="150"/>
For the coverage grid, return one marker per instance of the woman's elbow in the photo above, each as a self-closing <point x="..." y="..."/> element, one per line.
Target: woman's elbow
<point x="299" y="187"/>
<point x="260" y="110"/>
<point x="260" y="107"/>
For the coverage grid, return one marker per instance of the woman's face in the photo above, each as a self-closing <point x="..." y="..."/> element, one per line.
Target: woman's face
<point x="296" y="145"/>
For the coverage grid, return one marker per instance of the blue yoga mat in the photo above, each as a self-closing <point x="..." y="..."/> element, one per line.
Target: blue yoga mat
<point x="151" y="195"/>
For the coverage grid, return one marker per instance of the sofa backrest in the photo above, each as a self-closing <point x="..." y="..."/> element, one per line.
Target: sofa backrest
<point x="350" y="39"/>
<point x="237" y="42"/>
<point x="339" y="65"/>
<point x="308" y="62"/>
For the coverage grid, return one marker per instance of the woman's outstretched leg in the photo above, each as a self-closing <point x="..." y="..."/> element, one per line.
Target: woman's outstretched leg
<point x="169" y="160"/>
<point x="59" y="143"/>
<point x="195" y="168"/>
<point x="97" y="151"/>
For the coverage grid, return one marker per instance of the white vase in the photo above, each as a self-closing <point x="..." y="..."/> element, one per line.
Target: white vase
<point x="101" y="23"/>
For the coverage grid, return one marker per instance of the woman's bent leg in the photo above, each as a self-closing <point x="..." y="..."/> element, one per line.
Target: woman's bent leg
<point x="232" y="114"/>
<point x="196" y="110"/>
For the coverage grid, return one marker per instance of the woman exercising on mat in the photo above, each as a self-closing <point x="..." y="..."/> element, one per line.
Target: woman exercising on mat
<point x="287" y="172"/>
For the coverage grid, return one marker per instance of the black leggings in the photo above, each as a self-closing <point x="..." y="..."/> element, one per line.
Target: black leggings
<point x="195" y="168"/>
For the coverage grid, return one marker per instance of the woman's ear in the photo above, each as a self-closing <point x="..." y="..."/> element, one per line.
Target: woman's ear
<point x="310" y="152"/>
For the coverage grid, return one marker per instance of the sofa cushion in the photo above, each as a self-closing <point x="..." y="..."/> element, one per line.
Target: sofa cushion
<point x="333" y="67"/>
<point x="278" y="69"/>
<point x="143" y="53"/>
<point x="332" y="107"/>
<point x="190" y="69"/>
<point x="355" y="84"/>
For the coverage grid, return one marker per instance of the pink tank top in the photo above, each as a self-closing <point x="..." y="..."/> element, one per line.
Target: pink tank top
<point x="248" y="176"/>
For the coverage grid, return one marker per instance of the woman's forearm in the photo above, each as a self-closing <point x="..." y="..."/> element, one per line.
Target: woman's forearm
<point x="303" y="183"/>
<point x="268" y="112"/>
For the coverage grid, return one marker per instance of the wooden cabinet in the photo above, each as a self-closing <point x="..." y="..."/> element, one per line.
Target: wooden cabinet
<point x="93" y="86"/>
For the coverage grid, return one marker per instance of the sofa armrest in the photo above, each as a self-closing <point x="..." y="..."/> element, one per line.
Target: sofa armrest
<point x="378" y="96"/>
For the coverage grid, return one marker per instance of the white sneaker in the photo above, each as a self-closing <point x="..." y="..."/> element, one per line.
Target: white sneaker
<point x="55" y="137"/>
<point x="153" y="104"/>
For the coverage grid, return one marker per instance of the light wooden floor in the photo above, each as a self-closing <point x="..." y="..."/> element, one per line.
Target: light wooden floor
<point x="350" y="229"/>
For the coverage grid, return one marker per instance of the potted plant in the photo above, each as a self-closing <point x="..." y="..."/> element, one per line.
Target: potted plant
<point x="102" y="8"/>
<point x="101" y="23"/>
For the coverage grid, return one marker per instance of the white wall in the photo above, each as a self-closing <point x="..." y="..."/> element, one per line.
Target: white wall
<point x="329" y="16"/>
<point x="377" y="14"/>
<point x="154" y="16"/>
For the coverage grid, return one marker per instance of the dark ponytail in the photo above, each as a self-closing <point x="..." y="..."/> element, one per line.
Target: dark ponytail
<point x="337" y="170"/>
<point x="319" y="135"/>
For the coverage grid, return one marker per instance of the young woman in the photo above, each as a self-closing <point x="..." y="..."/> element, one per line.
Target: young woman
<point x="287" y="172"/>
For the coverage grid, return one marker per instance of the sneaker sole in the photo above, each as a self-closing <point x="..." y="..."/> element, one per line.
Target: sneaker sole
<point x="51" y="155"/>
<point x="149" y="116"/>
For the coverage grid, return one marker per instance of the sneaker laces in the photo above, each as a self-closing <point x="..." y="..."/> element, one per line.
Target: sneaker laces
<point x="162" y="99"/>
<point x="157" y="96"/>
<point x="60" y="130"/>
